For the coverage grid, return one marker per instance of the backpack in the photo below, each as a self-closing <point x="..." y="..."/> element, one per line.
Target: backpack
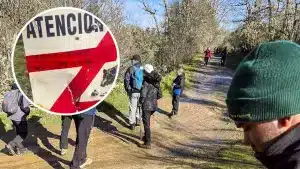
<point x="137" y="78"/>
<point x="10" y="103"/>
<point x="177" y="92"/>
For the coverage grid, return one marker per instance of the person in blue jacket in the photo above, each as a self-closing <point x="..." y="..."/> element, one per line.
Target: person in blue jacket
<point x="84" y="123"/>
<point x="178" y="86"/>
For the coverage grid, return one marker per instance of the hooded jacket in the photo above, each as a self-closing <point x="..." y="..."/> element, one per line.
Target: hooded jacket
<point x="23" y="110"/>
<point x="284" y="153"/>
<point x="150" y="91"/>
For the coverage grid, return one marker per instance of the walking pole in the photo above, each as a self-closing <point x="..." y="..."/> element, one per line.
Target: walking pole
<point x="141" y="124"/>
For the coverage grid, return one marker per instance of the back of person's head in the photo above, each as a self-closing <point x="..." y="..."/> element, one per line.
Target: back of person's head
<point x="180" y="71"/>
<point x="136" y="58"/>
<point x="151" y="76"/>
<point x="264" y="93"/>
<point x="148" y="68"/>
<point x="266" y="83"/>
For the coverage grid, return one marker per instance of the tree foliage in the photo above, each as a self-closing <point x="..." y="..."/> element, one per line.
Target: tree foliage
<point x="267" y="20"/>
<point x="188" y="27"/>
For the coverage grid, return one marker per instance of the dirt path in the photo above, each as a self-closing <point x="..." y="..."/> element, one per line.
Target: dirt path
<point x="193" y="139"/>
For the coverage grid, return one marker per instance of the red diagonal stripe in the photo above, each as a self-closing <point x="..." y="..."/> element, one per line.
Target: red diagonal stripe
<point x="70" y="59"/>
<point x="91" y="61"/>
<point x="84" y="105"/>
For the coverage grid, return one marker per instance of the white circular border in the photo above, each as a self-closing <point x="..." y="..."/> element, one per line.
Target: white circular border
<point x="118" y="61"/>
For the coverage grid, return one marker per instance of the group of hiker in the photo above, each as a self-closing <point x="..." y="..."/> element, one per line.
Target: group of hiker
<point x="263" y="100"/>
<point x="142" y="84"/>
<point x="208" y="55"/>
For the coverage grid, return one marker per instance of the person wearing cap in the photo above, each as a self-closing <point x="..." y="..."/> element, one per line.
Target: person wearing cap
<point x="263" y="100"/>
<point x="149" y="96"/>
<point x="84" y="123"/>
<point x="178" y="85"/>
<point x="19" y="121"/>
<point x="133" y="90"/>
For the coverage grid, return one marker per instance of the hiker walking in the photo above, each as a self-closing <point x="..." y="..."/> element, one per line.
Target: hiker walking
<point x="224" y="56"/>
<point x="65" y="127"/>
<point x="207" y="56"/>
<point x="84" y="123"/>
<point x="17" y="108"/>
<point x="263" y="100"/>
<point x="150" y="94"/>
<point x="133" y="84"/>
<point x="178" y="86"/>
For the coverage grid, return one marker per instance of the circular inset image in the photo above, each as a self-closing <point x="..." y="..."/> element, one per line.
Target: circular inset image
<point x="65" y="61"/>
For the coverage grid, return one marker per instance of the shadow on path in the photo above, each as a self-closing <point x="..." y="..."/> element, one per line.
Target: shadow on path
<point x="107" y="127"/>
<point x="113" y="113"/>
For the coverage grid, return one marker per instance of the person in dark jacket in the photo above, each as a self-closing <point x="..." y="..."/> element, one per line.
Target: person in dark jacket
<point x="132" y="92"/>
<point x="178" y="86"/>
<point x="20" y="123"/>
<point x="263" y="100"/>
<point x="149" y="96"/>
<point x="224" y="56"/>
<point x="84" y="123"/>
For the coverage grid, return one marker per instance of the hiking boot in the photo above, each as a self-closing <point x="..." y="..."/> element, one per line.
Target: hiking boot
<point x="63" y="151"/>
<point x="175" y="113"/>
<point x="143" y="138"/>
<point x="132" y="126"/>
<point x="138" y="122"/>
<point x="88" y="161"/>
<point x="170" y="115"/>
<point x="20" y="151"/>
<point x="145" y="146"/>
<point x="10" y="149"/>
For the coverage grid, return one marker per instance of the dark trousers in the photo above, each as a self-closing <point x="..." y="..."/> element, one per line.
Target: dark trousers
<point x="83" y="130"/>
<point x="175" y="103"/>
<point x="146" y="121"/>
<point x="206" y="60"/>
<point x="65" y="127"/>
<point x="21" y="133"/>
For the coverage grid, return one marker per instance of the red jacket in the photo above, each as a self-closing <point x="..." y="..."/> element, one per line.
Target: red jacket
<point x="208" y="53"/>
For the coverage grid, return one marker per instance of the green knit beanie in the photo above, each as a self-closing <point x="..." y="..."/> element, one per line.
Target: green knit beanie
<point x="266" y="85"/>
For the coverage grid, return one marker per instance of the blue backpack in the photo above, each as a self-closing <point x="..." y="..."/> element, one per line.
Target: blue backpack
<point x="176" y="92"/>
<point x="137" y="78"/>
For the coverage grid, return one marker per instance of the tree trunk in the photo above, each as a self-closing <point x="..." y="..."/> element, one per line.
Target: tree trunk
<point x="270" y="20"/>
<point x="296" y="21"/>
